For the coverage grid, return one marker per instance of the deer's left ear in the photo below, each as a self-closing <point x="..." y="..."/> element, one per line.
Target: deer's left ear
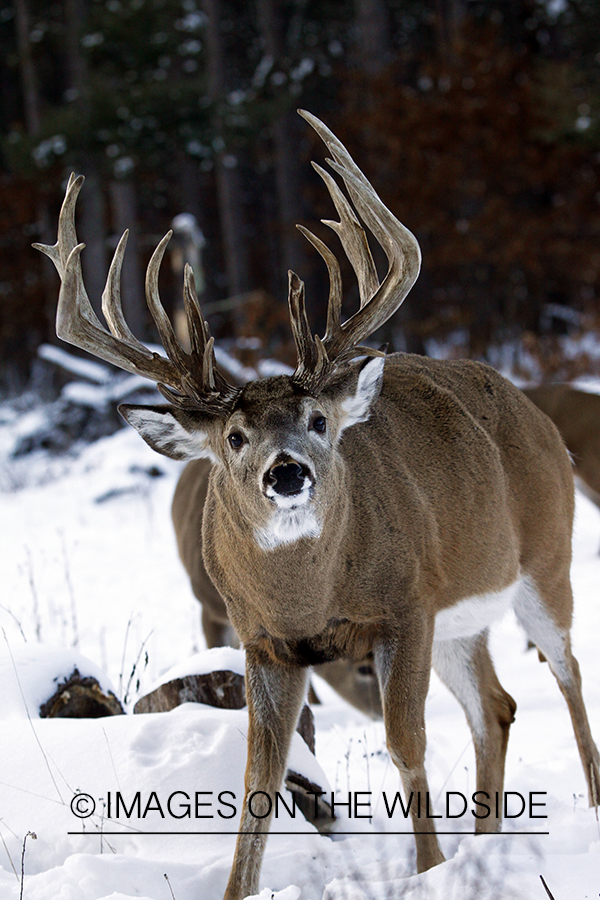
<point x="356" y="406"/>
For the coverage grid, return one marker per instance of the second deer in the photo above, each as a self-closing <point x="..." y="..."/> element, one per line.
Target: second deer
<point x="576" y="414"/>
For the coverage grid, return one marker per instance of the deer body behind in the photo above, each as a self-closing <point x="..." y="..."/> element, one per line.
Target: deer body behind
<point x="576" y="414"/>
<point x="187" y="511"/>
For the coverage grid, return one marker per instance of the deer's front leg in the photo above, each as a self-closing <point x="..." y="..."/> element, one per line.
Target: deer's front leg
<point x="403" y="665"/>
<point x="274" y="696"/>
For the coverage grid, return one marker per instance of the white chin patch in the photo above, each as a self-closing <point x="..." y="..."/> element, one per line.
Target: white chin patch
<point x="292" y="501"/>
<point x="287" y="526"/>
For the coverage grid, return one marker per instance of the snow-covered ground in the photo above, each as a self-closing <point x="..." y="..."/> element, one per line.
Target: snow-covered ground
<point x="88" y="565"/>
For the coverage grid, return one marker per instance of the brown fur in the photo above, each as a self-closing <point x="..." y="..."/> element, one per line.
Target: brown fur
<point x="354" y="680"/>
<point x="576" y="414"/>
<point x="455" y="487"/>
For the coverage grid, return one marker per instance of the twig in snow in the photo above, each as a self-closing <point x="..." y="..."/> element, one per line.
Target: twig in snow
<point x="19" y="626"/>
<point x="70" y="589"/>
<point x="36" y="608"/>
<point x="33" y="837"/>
<point x="594" y="793"/>
<point x="169" y="883"/>
<point x="43" y="752"/>
<point x="366" y="756"/>
<point x="547" y="888"/>
<point x="134" y="667"/>
<point x="123" y="656"/>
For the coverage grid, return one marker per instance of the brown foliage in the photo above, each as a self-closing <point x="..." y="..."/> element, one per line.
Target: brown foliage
<point x="483" y="161"/>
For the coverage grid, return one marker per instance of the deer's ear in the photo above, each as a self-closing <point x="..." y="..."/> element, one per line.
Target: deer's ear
<point x="357" y="406"/>
<point x="355" y="395"/>
<point x="171" y="431"/>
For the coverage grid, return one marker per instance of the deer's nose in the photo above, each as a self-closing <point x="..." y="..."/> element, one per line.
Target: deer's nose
<point x="287" y="478"/>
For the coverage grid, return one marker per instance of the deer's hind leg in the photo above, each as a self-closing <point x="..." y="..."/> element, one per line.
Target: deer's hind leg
<point x="218" y="632"/>
<point x="545" y="611"/>
<point x="465" y="667"/>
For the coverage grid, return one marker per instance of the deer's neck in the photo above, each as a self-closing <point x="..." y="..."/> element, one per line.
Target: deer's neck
<point x="288" y="590"/>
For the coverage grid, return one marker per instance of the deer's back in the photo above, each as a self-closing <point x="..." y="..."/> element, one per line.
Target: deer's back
<point x="485" y="472"/>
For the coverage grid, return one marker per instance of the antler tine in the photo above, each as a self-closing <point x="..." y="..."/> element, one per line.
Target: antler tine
<point x="190" y="381"/>
<point x="387" y="229"/>
<point x="400" y="245"/>
<point x="353" y="238"/>
<point x="202" y="345"/>
<point x="334" y="306"/>
<point x="111" y="301"/>
<point x="197" y="327"/>
<point x="67" y="237"/>
<point x="313" y="360"/>
<point x="403" y="254"/>
<point x="300" y="327"/>
<point x="62" y="252"/>
<point x="175" y="352"/>
<point x="77" y="324"/>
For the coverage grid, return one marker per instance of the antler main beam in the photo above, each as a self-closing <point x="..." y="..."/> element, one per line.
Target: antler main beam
<point x="378" y="301"/>
<point x="189" y="380"/>
<point x="192" y="380"/>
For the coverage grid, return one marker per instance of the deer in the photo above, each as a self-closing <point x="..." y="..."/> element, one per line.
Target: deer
<point x="576" y="414"/>
<point x="367" y="503"/>
<point x="354" y="680"/>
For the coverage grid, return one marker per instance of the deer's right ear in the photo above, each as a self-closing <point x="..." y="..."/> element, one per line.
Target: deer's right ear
<point x="171" y="431"/>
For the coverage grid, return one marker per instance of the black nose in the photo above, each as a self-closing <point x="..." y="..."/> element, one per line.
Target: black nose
<point x="287" y="478"/>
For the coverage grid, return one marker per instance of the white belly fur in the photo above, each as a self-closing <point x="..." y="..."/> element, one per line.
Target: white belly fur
<point x="474" y="614"/>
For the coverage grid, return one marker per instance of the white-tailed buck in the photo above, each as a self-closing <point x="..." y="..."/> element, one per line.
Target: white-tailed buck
<point x="393" y="505"/>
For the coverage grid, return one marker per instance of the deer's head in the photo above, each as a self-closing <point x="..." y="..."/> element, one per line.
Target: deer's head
<point x="274" y="442"/>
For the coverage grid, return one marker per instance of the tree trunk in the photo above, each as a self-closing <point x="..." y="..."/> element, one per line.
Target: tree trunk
<point x="448" y="17"/>
<point x="31" y="99"/>
<point x="285" y="143"/>
<point x="372" y="43"/>
<point x="31" y="103"/>
<point x="372" y="35"/>
<point x="228" y="181"/>
<point x="91" y="206"/>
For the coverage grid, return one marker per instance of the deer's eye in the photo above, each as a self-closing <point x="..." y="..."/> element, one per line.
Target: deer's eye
<point x="320" y="424"/>
<point x="235" y="440"/>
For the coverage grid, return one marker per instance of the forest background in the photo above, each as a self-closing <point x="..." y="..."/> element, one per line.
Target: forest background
<point x="478" y="122"/>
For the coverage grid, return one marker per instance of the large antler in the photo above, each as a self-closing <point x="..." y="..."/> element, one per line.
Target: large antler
<point x="378" y="301"/>
<point x="189" y="380"/>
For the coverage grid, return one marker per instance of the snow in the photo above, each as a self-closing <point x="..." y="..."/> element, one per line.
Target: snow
<point x="233" y="366"/>
<point x="77" y="365"/>
<point x="268" y="368"/>
<point x="113" y="392"/>
<point x="91" y="577"/>
<point x="31" y="673"/>
<point x="218" y="659"/>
